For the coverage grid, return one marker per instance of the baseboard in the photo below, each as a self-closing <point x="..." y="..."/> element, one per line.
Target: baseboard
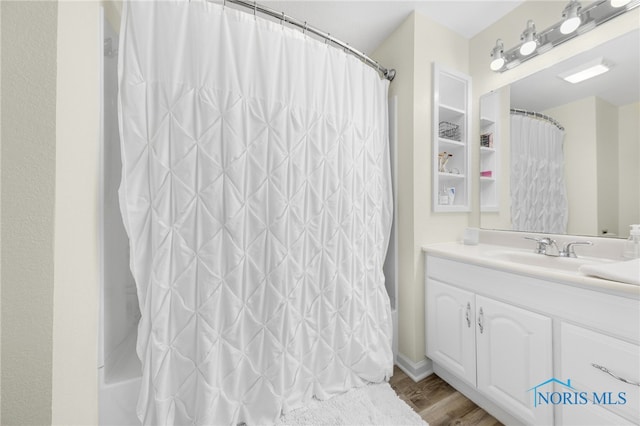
<point x="415" y="370"/>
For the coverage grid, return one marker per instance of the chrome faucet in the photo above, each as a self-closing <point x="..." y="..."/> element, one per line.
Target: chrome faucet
<point x="568" y="250"/>
<point x="543" y="244"/>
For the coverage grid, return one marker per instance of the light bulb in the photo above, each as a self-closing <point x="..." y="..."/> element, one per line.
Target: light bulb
<point x="497" y="53"/>
<point x="571" y="17"/>
<point x="528" y="38"/>
<point x="497" y="64"/>
<point x="528" y="47"/>
<point x="570" y="25"/>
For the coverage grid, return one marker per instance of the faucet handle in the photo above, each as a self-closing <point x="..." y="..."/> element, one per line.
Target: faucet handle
<point x="543" y="240"/>
<point x="539" y="247"/>
<point x="568" y="250"/>
<point x="543" y="243"/>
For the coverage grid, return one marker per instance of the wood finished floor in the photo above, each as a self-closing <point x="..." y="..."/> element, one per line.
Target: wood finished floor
<point x="438" y="403"/>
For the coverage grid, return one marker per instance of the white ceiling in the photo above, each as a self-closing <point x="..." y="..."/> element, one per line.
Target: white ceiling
<point x="364" y="24"/>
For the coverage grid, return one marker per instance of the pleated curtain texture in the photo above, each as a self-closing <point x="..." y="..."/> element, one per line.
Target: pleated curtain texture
<point x="537" y="184"/>
<point x="256" y="195"/>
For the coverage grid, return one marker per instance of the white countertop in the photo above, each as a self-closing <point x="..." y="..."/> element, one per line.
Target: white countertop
<point x="480" y="255"/>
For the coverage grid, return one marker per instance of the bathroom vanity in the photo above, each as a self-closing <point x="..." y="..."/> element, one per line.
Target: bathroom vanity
<point x="529" y="338"/>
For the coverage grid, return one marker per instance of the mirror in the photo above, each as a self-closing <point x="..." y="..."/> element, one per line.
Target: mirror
<point x="601" y="144"/>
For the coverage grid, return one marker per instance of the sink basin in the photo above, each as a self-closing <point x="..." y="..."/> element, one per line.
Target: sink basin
<point x="565" y="264"/>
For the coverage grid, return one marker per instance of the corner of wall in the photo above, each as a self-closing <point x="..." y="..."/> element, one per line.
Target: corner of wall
<point x="76" y="279"/>
<point x="411" y="50"/>
<point x="397" y="51"/>
<point x="607" y="166"/>
<point x="629" y="158"/>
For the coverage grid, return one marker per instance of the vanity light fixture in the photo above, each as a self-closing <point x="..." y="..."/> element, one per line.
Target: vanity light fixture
<point x="529" y="39"/>
<point x="498" y="56"/>
<point x="586" y="71"/>
<point x="571" y="15"/>
<point x="619" y="3"/>
<point x="576" y="21"/>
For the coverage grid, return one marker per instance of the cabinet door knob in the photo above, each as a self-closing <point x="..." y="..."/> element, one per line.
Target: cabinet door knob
<point x="606" y="370"/>
<point x="468" y="314"/>
<point x="481" y="321"/>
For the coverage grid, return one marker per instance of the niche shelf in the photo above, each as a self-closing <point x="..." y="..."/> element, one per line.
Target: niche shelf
<point x="489" y="141"/>
<point x="451" y="125"/>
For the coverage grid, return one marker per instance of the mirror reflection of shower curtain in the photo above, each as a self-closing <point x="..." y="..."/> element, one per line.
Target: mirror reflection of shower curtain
<point x="256" y="194"/>
<point x="538" y="188"/>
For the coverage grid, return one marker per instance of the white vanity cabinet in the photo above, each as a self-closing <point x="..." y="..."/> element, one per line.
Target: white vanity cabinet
<point x="502" y="338"/>
<point x="492" y="346"/>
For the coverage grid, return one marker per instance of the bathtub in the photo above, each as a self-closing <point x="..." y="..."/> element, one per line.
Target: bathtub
<point x="118" y="391"/>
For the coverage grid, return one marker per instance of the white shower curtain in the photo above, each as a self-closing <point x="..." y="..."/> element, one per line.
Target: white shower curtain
<point x="256" y="196"/>
<point x="538" y="189"/>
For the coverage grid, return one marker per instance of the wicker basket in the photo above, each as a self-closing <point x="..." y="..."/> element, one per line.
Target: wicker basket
<point x="448" y="130"/>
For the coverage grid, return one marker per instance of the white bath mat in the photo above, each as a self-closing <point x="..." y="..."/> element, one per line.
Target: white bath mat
<point x="375" y="404"/>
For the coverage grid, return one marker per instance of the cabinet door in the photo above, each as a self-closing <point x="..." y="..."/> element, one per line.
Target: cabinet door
<point x="451" y="330"/>
<point x="514" y="355"/>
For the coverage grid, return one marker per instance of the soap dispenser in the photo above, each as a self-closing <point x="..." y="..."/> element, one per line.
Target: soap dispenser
<point x="632" y="245"/>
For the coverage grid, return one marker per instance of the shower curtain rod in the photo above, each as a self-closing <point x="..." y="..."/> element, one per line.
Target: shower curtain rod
<point x="389" y="74"/>
<point x="537" y="115"/>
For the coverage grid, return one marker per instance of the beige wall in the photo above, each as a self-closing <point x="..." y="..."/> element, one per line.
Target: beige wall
<point x="434" y="43"/>
<point x="411" y="50"/>
<point x="629" y="161"/>
<point x="28" y="175"/>
<point x="581" y="163"/>
<point x="50" y="110"/>
<point x="75" y="315"/>
<point x="602" y="153"/>
<point x="607" y="166"/>
<point x="398" y="50"/>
